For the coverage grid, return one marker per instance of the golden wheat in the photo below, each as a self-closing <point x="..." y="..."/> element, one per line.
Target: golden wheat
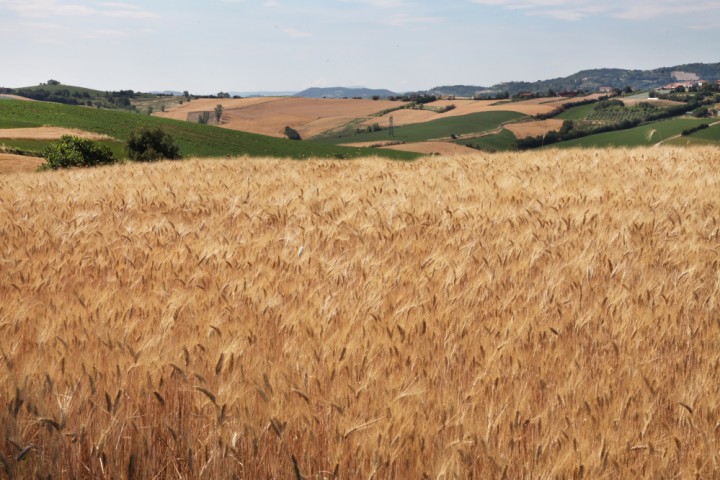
<point x="535" y="315"/>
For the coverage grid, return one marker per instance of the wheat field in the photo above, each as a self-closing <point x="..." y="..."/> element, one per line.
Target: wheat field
<point x="540" y="315"/>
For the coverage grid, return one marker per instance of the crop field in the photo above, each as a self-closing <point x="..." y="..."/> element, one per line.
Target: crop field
<point x="193" y="139"/>
<point x="549" y="314"/>
<point x="502" y="141"/>
<point x="270" y="116"/>
<point x="10" y="163"/>
<point x="534" y="128"/>
<point x="709" y="136"/>
<point x="644" y="135"/>
<point x="577" y="113"/>
<point x="441" y="128"/>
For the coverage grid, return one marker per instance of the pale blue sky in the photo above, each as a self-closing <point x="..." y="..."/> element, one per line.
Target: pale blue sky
<point x="206" y="46"/>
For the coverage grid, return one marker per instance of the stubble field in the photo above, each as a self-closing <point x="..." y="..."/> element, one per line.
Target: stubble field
<point x="536" y="315"/>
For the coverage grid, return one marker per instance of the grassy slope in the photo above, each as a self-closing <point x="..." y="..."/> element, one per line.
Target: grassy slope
<point x="193" y="139"/>
<point x="441" y="128"/>
<point x="501" y="142"/>
<point x="577" y="113"/>
<point x="634" y="137"/>
<point x="709" y="136"/>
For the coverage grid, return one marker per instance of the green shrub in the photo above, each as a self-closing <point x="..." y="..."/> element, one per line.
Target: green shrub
<point x="292" y="134"/>
<point x="147" y="144"/>
<point x="72" y="151"/>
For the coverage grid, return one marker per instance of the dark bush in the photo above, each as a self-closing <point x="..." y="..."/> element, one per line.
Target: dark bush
<point x="72" y="151"/>
<point x="147" y="144"/>
<point x="292" y="134"/>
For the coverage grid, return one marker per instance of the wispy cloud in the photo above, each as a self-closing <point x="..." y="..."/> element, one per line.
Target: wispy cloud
<point x="403" y="20"/>
<point x="621" y="9"/>
<point x="381" y="3"/>
<point x="294" y="33"/>
<point x="55" y="8"/>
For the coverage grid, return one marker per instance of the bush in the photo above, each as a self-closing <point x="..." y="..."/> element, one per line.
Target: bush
<point x="151" y="143"/>
<point x="292" y="134"/>
<point x="72" y="151"/>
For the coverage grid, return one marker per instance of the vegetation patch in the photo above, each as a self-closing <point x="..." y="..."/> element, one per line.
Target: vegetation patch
<point x="192" y="139"/>
<point x="645" y="135"/>
<point x="435" y="129"/>
<point x="76" y="152"/>
<point x="498" y="142"/>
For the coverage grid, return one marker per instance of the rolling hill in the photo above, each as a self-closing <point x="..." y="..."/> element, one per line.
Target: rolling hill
<point x="591" y="80"/>
<point x="194" y="140"/>
<point x="345" y="92"/>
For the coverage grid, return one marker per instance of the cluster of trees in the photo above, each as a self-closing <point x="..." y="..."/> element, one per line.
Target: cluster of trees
<point x="64" y="96"/>
<point x="690" y="131"/>
<point x="419" y="98"/>
<point x="145" y="144"/>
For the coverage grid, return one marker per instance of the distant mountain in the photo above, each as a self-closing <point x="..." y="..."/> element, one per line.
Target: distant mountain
<point x="263" y="94"/>
<point x="592" y="80"/>
<point x="173" y="93"/>
<point x="344" y="92"/>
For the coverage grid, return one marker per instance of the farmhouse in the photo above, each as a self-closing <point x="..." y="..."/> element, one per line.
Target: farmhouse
<point x="685" y="85"/>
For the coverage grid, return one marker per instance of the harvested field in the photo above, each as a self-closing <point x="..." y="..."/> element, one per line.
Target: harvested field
<point x="534" y="106"/>
<point x="535" y="128"/>
<point x="10" y="163"/>
<point x="434" y="148"/>
<point x="270" y="116"/>
<point x="550" y="314"/>
<point x="180" y="112"/>
<point x="47" y="133"/>
<point x="429" y="148"/>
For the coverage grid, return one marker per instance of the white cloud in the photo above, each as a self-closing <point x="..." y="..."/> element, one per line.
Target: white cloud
<point x="54" y="8"/>
<point x="293" y="33"/>
<point x="402" y="20"/>
<point x="381" y="3"/>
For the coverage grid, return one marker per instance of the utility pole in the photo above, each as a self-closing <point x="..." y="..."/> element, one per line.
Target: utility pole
<point x="391" y="130"/>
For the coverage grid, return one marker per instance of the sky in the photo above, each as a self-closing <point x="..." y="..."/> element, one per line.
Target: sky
<point x="209" y="46"/>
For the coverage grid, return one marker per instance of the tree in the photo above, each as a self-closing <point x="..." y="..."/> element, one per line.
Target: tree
<point x="151" y="143"/>
<point x="72" y="151"/>
<point x="218" y="112"/>
<point x="53" y="82"/>
<point x="204" y="118"/>
<point x="292" y="134"/>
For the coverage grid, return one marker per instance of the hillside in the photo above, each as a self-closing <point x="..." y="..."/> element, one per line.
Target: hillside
<point x="192" y="138"/>
<point x="591" y="80"/>
<point x="344" y="92"/>
<point x="538" y="315"/>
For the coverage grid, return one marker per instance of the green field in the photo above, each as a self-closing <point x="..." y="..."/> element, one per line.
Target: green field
<point x="644" y="135"/>
<point x="498" y="142"/>
<point x="12" y="123"/>
<point x="577" y="113"/>
<point x="441" y="128"/>
<point x="194" y="140"/>
<point x="35" y="147"/>
<point x="708" y="136"/>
